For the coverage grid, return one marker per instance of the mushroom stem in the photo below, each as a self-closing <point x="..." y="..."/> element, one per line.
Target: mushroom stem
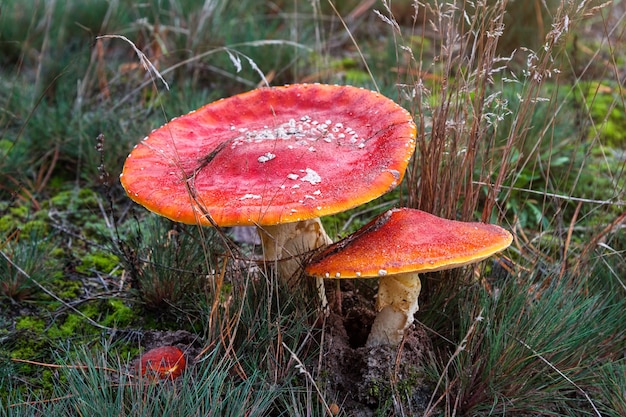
<point x="396" y="305"/>
<point x="284" y="242"/>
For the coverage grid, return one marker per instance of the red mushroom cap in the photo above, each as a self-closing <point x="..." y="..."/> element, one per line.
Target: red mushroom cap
<point x="166" y="362"/>
<point x="273" y="155"/>
<point x="408" y="240"/>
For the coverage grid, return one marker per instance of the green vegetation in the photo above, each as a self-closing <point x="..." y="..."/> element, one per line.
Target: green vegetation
<point x="521" y="121"/>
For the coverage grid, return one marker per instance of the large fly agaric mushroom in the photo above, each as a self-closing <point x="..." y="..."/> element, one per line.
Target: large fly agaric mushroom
<point x="395" y="247"/>
<point x="277" y="158"/>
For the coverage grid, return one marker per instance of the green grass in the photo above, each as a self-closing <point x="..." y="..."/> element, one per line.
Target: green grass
<point x="534" y="344"/>
<point x="520" y="128"/>
<point x="100" y="385"/>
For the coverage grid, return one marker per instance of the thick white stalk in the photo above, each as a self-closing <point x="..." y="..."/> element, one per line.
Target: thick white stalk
<point x="284" y="243"/>
<point x="396" y="305"/>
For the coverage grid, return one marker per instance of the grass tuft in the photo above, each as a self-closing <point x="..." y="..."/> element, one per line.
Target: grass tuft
<point x="108" y="385"/>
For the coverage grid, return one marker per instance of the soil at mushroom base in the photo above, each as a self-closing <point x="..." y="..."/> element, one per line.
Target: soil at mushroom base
<point x="363" y="379"/>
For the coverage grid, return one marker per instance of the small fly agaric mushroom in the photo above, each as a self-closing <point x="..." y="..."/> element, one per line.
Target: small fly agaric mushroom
<point x="166" y="362"/>
<point x="395" y="247"/>
<point x="277" y="158"/>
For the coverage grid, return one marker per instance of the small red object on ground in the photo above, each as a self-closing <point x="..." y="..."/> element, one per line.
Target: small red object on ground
<point x="166" y="362"/>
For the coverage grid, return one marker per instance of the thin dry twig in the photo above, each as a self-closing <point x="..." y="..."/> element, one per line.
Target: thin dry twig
<point x="568" y="239"/>
<point x="432" y="404"/>
<point x="356" y="45"/>
<point x="596" y="240"/>
<point x="56" y="366"/>
<point x="564" y="197"/>
<point x="302" y="368"/>
<point x="142" y="57"/>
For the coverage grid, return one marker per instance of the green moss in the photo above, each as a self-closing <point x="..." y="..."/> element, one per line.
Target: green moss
<point x="413" y="379"/>
<point x="5" y="147"/>
<point x="13" y="217"/>
<point x="120" y="315"/>
<point x="50" y="379"/>
<point x="29" y="323"/>
<point x="606" y="108"/>
<point x="88" y="197"/>
<point x="66" y="289"/>
<point x="128" y="350"/>
<point x="20" y="212"/>
<point x="57" y="252"/>
<point x="73" y="325"/>
<point x="19" y="215"/>
<point x="110" y="313"/>
<point x="99" y="261"/>
<point x="74" y="198"/>
<point x="385" y="392"/>
<point x="29" y="350"/>
<point x="80" y="208"/>
<point x="29" y="343"/>
<point x="36" y="227"/>
<point x="6" y="224"/>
